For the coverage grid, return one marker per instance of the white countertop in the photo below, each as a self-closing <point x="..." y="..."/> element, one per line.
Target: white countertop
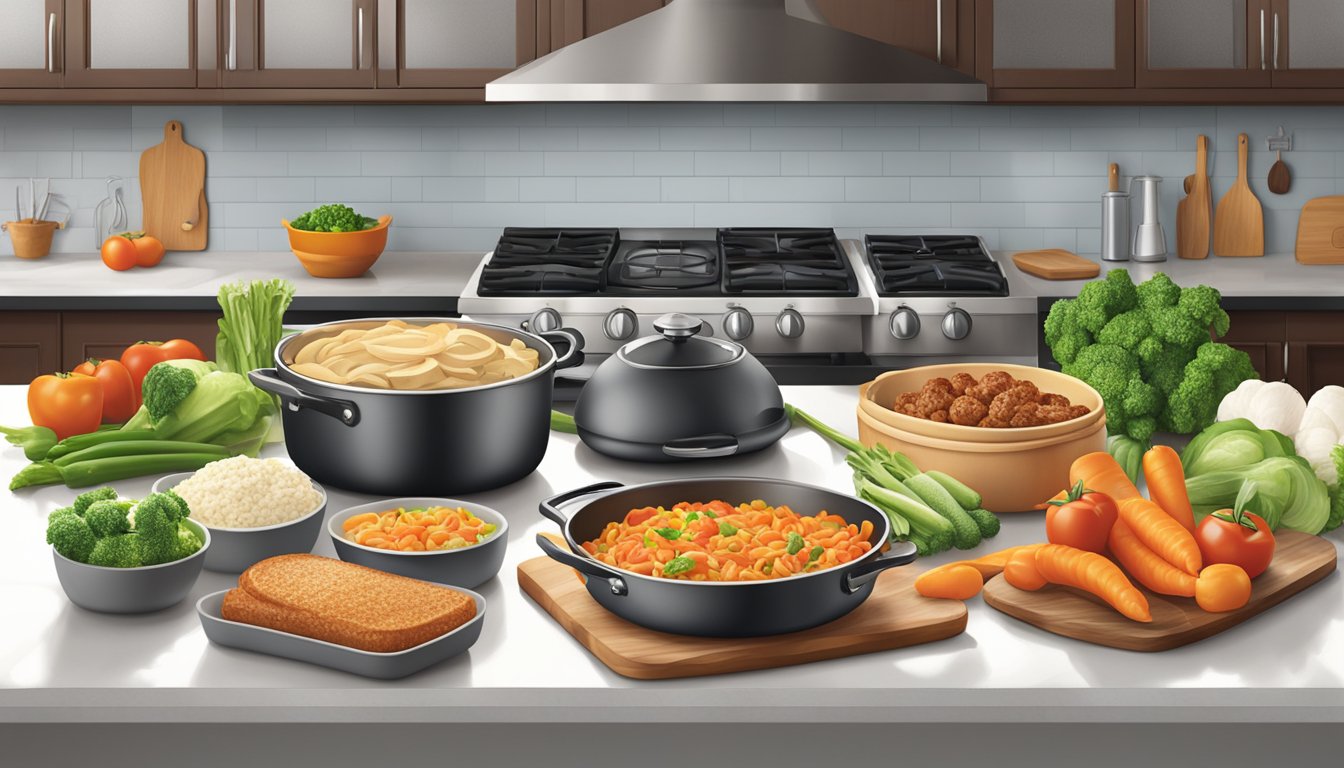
<point x="59" y="663"/>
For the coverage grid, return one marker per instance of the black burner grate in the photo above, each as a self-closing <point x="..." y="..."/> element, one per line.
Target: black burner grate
<point x="661" y="265"/>
<point x="548" y="261"/>
<point x="785" y="261"/>
<point x="933" y="265"/>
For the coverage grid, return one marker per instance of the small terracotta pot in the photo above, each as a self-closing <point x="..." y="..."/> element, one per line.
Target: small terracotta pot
<point x="338" y="254"/>
<point x="32" y="239"/>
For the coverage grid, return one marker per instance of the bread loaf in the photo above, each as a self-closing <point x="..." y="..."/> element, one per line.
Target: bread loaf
<point x="344" y="603"/>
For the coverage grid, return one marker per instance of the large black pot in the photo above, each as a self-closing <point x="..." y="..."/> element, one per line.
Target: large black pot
<point x="721" y="609"/>
<point x="418" y="443"/>
<point x="679" y="395"/>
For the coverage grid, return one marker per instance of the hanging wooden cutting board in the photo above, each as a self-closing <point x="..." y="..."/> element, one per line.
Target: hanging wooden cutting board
<point x="1239" y="225"/>
<point x="1056" y="264"/>
<point x="1320" y="231"/>
<point x="172" y="186"/>
<point x="1194" y="210"/>
<point x="1300" y="560"/>
<point x="893" y="616"/>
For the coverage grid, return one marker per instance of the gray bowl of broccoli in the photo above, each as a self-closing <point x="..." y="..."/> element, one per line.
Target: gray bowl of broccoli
<point x="120" y="556"/>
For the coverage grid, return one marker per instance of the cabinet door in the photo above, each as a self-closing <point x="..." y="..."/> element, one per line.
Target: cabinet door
<point x="131" y="43"/>
<point x="30" y="44"/>
<point x="570" y="21"/>
<point x="299" y="43"/>
<point x="1305" y="48"/>
<point x="30" y="345"/>
<point x="462" y="43"/>
<point x="1203" y="44"/>
<point x="1260" y="335"/>
<point x="1315" y="350"/>
<point x="931" y="28"/>
<point x="1055" y="43"/>
<point x="107" y="334"/>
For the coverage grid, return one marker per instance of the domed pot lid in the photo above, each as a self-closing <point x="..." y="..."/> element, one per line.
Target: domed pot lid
<point x="680" y="346"/>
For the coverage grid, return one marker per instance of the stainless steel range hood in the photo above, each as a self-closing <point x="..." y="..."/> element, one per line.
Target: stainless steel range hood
<point x="733" y="50"/>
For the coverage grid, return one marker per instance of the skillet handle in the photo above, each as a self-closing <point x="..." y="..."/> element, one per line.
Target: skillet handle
<point x="572" y="341"/>
<point x="583" y="565"/>
<point x="550" y="508"/>
<point x="902" y="553"/>
<point x="268" y="380"/>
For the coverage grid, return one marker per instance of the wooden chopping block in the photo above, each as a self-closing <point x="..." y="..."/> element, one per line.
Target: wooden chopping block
<point x="172" y="186"/>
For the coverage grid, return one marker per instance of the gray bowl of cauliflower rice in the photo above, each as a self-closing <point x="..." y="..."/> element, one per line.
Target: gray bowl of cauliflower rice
<point x="254" y="508"/>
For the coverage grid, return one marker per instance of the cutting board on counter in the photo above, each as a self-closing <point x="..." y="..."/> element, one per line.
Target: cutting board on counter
<point x="1239" y="223"/>
<point x="172" y="187"/>
<point x="1320" y="231"/>
<point x="1299" y="561"/>
<point x="1056" y="264"/>
<point x="1194" y="210"/>
<point x="893" y="616"/>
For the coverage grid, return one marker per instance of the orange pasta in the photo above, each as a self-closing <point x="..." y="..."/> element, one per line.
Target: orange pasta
<point x="719" y="542"/>
<point x="417" y="530"/>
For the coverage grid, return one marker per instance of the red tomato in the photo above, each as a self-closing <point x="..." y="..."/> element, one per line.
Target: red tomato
<point x="181" y="349"/>
<point x="1083" y="521"/>
<point x="148" y="250"/>
<point x="119" y="253"/>
<point x="66" y="403"/>
<point x="1236" y="537"/>
<point x="120" y="398"/>
<point x="141" y="356"/>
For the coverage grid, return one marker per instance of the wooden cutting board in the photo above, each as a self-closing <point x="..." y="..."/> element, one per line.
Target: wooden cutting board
<point x="1239" y="225"/>
<point x="1195" y="209"/>
<point x="172" y="186"/>
<point x="1056" y="264"/>
<point x="893" y="616"/>
<point x="1300" y="560"/>
<point x="1320" y="231"/>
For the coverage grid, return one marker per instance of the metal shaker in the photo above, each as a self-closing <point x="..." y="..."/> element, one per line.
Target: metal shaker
<point x="1150" y="241"/>
<point x="1114" y="220"/>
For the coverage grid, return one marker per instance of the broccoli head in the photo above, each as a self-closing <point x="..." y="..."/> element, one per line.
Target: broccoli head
<point x="1204" y="305"/>
<point x="1158" y="292"/>
<point x="333" y="218"/>
<point x="1101" y="300"/>
<point x="187" y="542"/>
<point x="1174" y="326"/>
<point x="84" y="500"/>
<point x="157" y="519"/>
<point x="108" y="518"/>
<point x="120" y="551"/>
<point x="71" y="536"/>
<point x="168" y="383"/>
<point x="1063" y="333"/>
<point x="1127" y="329"/>
<point x="1216" y="370"/>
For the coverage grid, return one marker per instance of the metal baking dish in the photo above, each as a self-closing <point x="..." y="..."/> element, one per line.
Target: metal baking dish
<point x="383" y="666"/>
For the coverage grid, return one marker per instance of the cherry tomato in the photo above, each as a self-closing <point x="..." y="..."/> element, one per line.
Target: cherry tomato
<point x="141" y="356"/>
<point x="1237" y="537"/>
<point x="120" y="398"/>
<point x="1222" y="587"/>
<point x="1083" y="520"/>
<point x="119" y="253"/>
<point x="66" y="403"/>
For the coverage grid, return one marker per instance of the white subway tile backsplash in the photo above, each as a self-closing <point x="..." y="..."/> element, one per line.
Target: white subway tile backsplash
<point x="607" y="139"/>
<point x="492" y="138"/>
<point x="287" y="190"/>
<point x="349" y="190"/>
<point x="797" y="138"/>
<point x="514" y="164"/>
<point x="780" y="189"/>
<point x="737" y="164"/>
<point x="618" y="189"/>
<point x="916" y="163"/>
<point x="949" y="189"/>
<point x="988" y="215"/>
<point x="1002" y="163"/>
<point x="406" y="189"/>
<point x="695" y="189"/>
<point x="361" y="137"/>
<point x="547" y="189"/>
<point x="271" y="138"/>
<point x="589" y="163"/>
<point x="717" y="137"/>
<point x="664" y="164"/>
<point x="880" y="137"/>
<point x="879" y="188"/>
<point x="844" y="163"/>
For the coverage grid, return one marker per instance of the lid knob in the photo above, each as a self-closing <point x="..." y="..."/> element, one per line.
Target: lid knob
<point x="677" y="327"/>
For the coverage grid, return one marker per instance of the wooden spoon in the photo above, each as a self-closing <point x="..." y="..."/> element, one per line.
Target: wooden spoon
<point x="1280" y="180"/>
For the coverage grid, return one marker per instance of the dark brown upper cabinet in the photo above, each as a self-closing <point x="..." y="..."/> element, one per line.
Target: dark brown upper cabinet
<point x="561" y="22"/>
<point x="133" y="43"/>
<point x="1305" y="46"/>
<point x="936" y="29"/>
<point x="1204" y="44"/>
<point x="1055" y="43"/>
<point x="299" y="43"/>
<point x="454" y="43"/>
<point x="31" y="50"/>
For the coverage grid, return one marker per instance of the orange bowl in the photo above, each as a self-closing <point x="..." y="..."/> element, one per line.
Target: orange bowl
<point x="338" y="254"/>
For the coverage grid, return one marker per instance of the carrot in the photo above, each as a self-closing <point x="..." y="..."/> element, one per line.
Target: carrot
<point x="1222" y="587"/>
<point x="1095" y="574"/>
<point x="1021" y="570"/>
<point x="989" y="566"/>
<point x="1161" y="533"/>
<point x="1166" y="484"/>
<point x="1146" y="566"/>
<point x="1100" y="472"/>
<point x="956" y="581"/>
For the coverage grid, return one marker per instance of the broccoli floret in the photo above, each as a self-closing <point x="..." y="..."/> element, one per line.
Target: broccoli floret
<point x="71" y="536"/>
<point x="1216" y="370"/>
<point x="1101" y="300"/>
<point x="1337" y="491"/>
<point x="120" y="551"/>
<point x="1203" y="304"/>
<point x="1063" y="333"/>
<point x="183" y="511"/>
<point x="1158" y="292"/>
<point x="187" y="544"/>
<point x="333" y="218"/>
<point x="55" y="513"/>
<point x="168" y="383"/>
<point x="108" y="518"/>
<point x="1174" y="326"/>
<point x="1127" y="329"/>
<point x="155" y="519"/>
<point x="84" y="500"/>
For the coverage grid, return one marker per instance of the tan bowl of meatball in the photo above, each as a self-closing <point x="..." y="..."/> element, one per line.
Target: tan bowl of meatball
<point x="1013" y="468"/>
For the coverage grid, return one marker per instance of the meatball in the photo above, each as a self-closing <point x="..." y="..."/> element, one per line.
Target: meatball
<point x="1005" y="404"/>
<point x="990" y="422"/>
<point x="991" y="386"/>
<point x="938" y="416"/>
<point x="967" y="411"/>
<point x="1078" y="410"/>
<point x="962" y="382"/>
<point x="1053" y="414"/>
<point x="1028" y="415"/>
<point x="1050" y="398"/>
<point x="938" y="383"/>
<point x="934" y="399"/>
<point x="905" y="399"/>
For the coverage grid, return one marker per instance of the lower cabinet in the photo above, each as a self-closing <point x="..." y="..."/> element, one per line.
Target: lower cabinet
<point x="1263" y="336"/>
<point x="1305" y="349"/>
<point x="30" y="345"/>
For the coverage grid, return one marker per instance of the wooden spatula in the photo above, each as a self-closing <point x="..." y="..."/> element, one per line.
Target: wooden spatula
<point x="1239" y="226"/>
<point x="1192" y="213"/>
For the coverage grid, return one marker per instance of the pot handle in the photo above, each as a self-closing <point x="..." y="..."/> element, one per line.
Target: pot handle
<point x="702" y="447"/>
<point x="902" y="553"/>
<point x="583" y="565"/>
<point x="550" y="508"/>
<point x="268" y="380"/>
<point x="570" y="338"/>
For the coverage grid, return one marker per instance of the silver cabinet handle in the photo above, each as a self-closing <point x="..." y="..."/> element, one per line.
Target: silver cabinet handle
<point x="938" y="16"/>
<point x="51" y="42"/>
<point x="359" y="37"/>
<point x="231" y="58"/>
<point x="1276" y="41"/>
<point x="1262" y="40"/>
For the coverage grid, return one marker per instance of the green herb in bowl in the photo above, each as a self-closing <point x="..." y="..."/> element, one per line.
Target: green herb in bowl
<point x="333" y="218"/>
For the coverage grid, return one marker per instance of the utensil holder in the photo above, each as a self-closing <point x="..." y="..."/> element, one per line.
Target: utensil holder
<point x="32" y="238"/>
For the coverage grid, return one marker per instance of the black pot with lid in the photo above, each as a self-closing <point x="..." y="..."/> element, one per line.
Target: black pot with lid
<point x="679" y="395"/>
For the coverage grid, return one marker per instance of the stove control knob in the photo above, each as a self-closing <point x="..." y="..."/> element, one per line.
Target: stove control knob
<point x="620" y="324"/>
<point x="789" y="323"/>
<point x="904" y="323"/>
<point x="737" y="323"/>
<point x="544" y="321"/>
<point x="956" y="323"/>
